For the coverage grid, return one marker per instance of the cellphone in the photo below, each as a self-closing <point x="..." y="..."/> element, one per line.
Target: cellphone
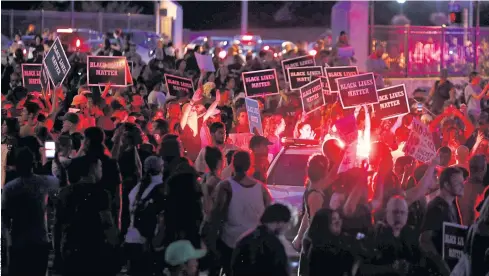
<point x="360" y="236"/>
<point x="50" y="149"/>
<point x="420" y="107"/>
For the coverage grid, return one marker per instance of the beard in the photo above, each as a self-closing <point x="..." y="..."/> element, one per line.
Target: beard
<point x="219" y="142"/>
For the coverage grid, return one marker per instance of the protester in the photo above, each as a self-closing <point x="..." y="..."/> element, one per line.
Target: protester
<point x="24" y="216"/>
<point x="271" y="258"/>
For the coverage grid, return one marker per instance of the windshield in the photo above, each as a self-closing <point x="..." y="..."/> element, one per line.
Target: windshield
<point x="295" y="165"/>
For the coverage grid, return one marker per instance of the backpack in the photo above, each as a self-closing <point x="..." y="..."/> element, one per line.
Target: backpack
<point x="146" y="214"/>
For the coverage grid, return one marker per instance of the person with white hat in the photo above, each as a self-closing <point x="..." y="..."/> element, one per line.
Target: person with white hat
<point x="182" y="258"/>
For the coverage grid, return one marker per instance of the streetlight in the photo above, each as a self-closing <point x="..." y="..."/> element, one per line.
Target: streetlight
<point x="400" y="3"/>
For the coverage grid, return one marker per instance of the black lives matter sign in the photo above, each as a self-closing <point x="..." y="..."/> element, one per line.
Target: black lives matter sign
<point x="300" y="76"/>
<point x="57" y="64"/>
<point x="31" y="77"/>
<point x="260" y="83"/>
<point x="333" y="73"/>
<point x="453" y="242"/>
<point x="178" y="86"/>
<point x="312" y="96"/>
<point x="357" y="90"/>
<point x="103" y="70"/>
<point x="297" y="62"/>
<point x="393" y="102"/>
<point x="44" y="79"/>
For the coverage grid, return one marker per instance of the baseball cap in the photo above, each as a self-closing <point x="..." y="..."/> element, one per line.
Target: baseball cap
<point x="71" y="117"/>
<point x="258" y="140"/>
<point x="79" y="99"/>
<point x="182" y="251"/>
<point x="153" y="164"/>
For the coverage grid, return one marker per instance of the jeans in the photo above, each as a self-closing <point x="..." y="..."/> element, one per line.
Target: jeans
<point x="30" y="260"/>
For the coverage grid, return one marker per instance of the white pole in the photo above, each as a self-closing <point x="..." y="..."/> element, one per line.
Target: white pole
<point x="157" y="14"/>
<point x="244" y="17"/>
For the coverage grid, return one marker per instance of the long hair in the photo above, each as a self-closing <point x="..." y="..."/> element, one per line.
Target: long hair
<point x="319" y="232"/>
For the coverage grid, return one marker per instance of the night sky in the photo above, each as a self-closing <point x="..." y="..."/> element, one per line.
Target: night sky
<point x="226" y="14"/>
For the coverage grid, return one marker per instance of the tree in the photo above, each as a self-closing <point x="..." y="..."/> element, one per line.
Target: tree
<point x="112" y="7"/>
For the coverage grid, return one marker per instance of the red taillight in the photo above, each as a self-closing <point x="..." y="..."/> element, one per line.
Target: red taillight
<point x="78" y="43"/>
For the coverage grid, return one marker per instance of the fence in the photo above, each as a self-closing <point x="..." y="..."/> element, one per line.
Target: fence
<point x="419" y="51"/>
<point x="14" y="21"/>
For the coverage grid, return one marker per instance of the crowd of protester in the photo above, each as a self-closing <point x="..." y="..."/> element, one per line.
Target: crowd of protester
<point x="151" y="183"/>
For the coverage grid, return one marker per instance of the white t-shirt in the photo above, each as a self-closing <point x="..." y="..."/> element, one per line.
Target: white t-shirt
<point x="157" y="97"/>
<point x="473" y="105"/>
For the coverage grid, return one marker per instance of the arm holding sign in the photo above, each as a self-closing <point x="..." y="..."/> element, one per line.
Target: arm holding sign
<point x="106" y="91"/>
<point x="213" y="106"/>
<point x="420" y="190"/>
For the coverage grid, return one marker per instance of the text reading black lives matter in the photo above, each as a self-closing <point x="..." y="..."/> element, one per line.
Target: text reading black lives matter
<point x="357" y="90"/>
<point x="333" y="73"/>
<point x="300" y="76"/>
<point x="31" y="77"/>
<point x="260" y="83"/>
<point x="392" y="102"/>
<point x="178" y="86"/>
<point x="57" y="63"/>
<point x="103" y="70"/>
<point x="312" y="96"/>
<point x="297" y="62"/>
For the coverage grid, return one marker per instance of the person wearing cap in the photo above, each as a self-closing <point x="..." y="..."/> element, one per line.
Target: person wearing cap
<point x="157" y="97"/>
<point x="145" y="204"/>
<point x="259" y="149"/>
<point x="443" y="90"/>
<point x="70" y="128"/>
<point x="271" y="258"/>
<point x="183" y="258"/>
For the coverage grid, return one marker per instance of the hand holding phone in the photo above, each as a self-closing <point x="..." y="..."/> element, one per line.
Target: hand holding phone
<point x="50" y="149"/>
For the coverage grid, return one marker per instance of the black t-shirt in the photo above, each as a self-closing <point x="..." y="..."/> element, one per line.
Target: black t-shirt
<point x="438" y="211"/>
<point x="76" y="139"/>
<point x="259" y="253"/>
<point x="78" y="211"/>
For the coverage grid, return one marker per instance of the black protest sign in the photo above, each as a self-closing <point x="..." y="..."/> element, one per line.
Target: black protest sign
<point x="357" y="90"/>
<point x="44" y="79"/>
<point x="178" y="86"/>
<point x="103" y="70"/>
<point x="300" y="76"/>
<point x="260" y="83"/>
<point x="57" y="63"/>
<point x="297" y="62"/>
<point x="31" y="77"/>
<point x="324" y="82"/>
<point x="312" y="96"/>
<point x="333" y="73"/>
<point x="453" y="242"/>
<point x="393" y="102"/>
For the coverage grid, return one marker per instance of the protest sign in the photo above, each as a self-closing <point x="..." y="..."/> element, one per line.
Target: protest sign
<point x="178" y="86"/>
<point x="300" y="76"/>
<point x="241" y="140"/>
<point x="205" y="62"/>
<point x="297" y="62"/>
<point x="260" y="83"/>
<point x="102" y="70"/>
<point x="31" y="77"/>
<point x="420" y="142"/>
<point x="357" y="90"/>
<point x="347" y="131"/>
<point x="312" y="96"/>
<point x="324" y="83"/>
<point x="453" y="242"/>
<point x="57" y="63"/>
<point x="333" y="73"/>
<point x="393" y="102"/>
<point x="45" y="81"/>
<point x="254" y="116"/>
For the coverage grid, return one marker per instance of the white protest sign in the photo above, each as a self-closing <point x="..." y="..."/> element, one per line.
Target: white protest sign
<point x="420" y="142"/>
<point x="205" y="62"/>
